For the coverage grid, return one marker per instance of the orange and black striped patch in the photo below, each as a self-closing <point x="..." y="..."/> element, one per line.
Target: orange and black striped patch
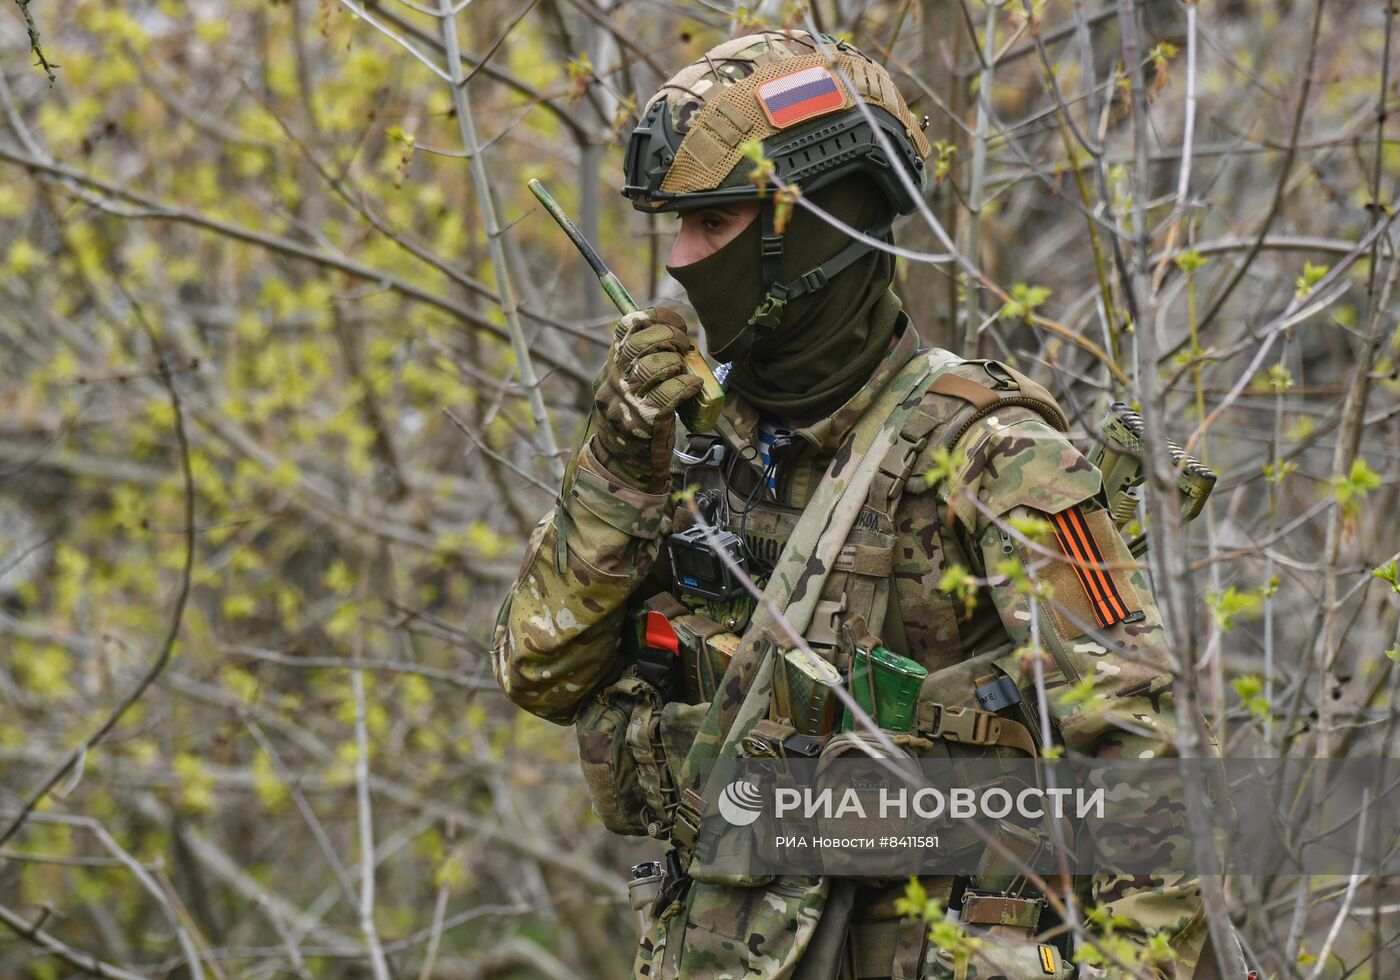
<point x="1077" y="542"/>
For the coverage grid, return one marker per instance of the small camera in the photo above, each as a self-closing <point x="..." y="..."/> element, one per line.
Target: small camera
<point x="697" y="569"/>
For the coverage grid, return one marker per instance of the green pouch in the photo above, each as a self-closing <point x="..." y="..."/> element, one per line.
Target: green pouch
<point x="886" y="686"/>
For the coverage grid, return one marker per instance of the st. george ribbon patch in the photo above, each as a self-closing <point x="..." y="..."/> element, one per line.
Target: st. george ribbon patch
<point x="1077" y="542"/>
<point x="800" y="95"/>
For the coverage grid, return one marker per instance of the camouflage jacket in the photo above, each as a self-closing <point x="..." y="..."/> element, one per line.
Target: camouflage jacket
<point x="559" y="633"/>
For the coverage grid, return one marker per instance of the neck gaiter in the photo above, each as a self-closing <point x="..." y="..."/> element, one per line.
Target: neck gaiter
<point x="828" y="342"/>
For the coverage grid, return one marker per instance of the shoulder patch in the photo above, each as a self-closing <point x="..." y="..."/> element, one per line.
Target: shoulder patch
<point x="1076" y="536"/>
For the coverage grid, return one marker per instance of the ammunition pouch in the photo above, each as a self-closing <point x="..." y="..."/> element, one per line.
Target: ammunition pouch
<point x="859" y="747"/>
<point x="627" y="738"/>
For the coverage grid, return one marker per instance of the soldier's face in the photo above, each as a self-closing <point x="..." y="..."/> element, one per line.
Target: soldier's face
<point x="705" y="231"/>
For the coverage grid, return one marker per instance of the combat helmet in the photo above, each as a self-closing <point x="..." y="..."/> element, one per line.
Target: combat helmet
<point x="784" y="90"/>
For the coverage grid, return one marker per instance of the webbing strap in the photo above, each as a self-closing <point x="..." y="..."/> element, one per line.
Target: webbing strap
<point x="1001" y="910"/>
<point x="770" y="311"/>
<point x="643" y="742"/>
<point x="890" y="949"/>
<point x="910" y="940"/>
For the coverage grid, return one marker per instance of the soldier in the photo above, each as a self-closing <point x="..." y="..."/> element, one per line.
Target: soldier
<point x="826" y="388"/>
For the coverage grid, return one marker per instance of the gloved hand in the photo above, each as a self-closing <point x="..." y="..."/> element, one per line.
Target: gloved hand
<point x="642" y="383"/>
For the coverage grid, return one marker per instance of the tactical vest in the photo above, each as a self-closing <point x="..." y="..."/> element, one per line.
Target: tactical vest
<point x="856" y="592"/>
<point x="632" y="741"/>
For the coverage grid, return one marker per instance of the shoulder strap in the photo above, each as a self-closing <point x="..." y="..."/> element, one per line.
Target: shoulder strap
<point x="1009" y="387"/>
<point x="1006" y="386"/>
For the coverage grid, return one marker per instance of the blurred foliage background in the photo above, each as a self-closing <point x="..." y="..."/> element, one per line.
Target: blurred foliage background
<point x="246" y="274"/>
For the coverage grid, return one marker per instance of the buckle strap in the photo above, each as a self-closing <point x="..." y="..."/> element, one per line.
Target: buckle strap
<point x="973" y="726"/>
<point x="981" y="909"/>
<point x="770" y="311"/>
<point x="685" y="824"/>
<point x="898" y="463"/>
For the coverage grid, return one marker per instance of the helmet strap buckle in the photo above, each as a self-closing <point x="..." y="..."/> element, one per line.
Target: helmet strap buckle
<point x="814" y="279"/>
<point x="770" y="312"/>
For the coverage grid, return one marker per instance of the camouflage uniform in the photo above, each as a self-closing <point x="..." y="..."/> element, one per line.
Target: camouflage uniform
<point x="558" y="638"/>
<point x="980" y="447"/>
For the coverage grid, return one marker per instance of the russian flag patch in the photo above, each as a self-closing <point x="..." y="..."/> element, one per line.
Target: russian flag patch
<point x="800" y="95"/>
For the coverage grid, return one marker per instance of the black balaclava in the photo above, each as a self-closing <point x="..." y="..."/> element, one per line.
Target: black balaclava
<point x="829" y="341"/>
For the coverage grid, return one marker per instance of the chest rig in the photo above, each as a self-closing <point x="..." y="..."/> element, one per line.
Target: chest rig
<point x="697" y="686"/>
<point x="759" y="508"/>
<point x="734" y="493"/>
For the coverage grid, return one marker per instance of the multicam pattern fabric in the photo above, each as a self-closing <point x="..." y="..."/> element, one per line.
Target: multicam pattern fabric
<point x="997" y="957"/>
<point x="734" y="933"/>
<point x="641" y="385"/>
<point x="558" y="640"/>
<point x="690" y="88"/>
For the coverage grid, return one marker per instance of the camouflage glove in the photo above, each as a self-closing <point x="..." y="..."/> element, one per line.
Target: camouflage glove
<point x="642" y="383"/>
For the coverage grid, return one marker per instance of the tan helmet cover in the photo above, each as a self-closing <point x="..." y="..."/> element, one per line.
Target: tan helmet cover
<point x="723" y="101"/>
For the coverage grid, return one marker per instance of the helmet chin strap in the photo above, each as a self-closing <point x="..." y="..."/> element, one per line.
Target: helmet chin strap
<point x="769" y="312"/>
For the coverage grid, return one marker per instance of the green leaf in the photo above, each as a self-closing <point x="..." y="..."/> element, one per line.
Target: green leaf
<point x="957" y="581"/>
<point x="1352" y="488"/>
<point x="1277" y="378"/>
<point x="1162" y="52"/>
<point x="196" y="783"/>
<point x="1312" y="274"/>
<point x="1390" y="574"/>
<point x="1250" y="688"/>
<point x="1189" y="262"/>
<point x="763" y="168"/>
<point x="1227" y="606"/>
<point x="943" y="153"/>
<point x="238" y="605"/>
<point x="1033" y="528"/>
<point x="338" y="578"/>
<point x="942" y="467"/>
<point x="1279" y="473"/>
<point x="1024" y="301"/>
<point x="1078" y="693"/>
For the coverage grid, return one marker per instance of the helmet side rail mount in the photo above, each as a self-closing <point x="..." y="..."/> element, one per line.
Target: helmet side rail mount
<point x="812" y="157"/>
